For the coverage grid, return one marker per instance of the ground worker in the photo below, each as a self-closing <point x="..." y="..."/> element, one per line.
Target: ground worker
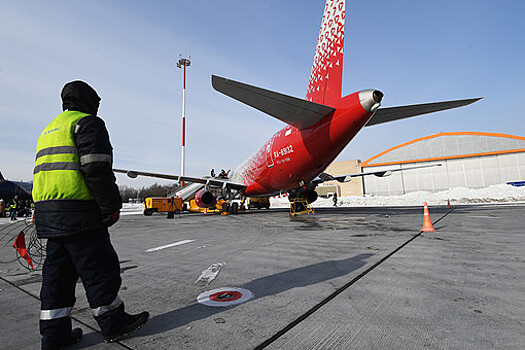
<point x="14" y="208"/>
<point x="2" y="208"/>
<point x="76" y="200"/>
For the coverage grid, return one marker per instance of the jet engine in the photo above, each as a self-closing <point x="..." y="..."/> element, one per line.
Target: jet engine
<point x="308" y="194"/>
<point x="205" y="199"/>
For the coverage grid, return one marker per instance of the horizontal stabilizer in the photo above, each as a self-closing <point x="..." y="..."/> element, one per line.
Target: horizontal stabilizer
<point x="291" y="110"/>
<point x="384" y="115"/>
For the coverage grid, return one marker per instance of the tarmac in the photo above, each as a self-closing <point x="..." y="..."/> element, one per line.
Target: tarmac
<point x="344" y="278"/>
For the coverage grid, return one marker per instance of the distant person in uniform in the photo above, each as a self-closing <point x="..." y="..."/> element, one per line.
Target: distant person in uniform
<point x="15" y="206"/>
<point x="334" y="198"/>
<point x="222" y="174"/>
<point x="212" y="173"/>
<point x="76" y="200"/>
<point x="27" y="206"/>
<point x="2" y="208"/>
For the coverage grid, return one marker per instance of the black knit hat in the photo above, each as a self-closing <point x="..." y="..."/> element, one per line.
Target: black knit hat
<point x="79" y="96"/>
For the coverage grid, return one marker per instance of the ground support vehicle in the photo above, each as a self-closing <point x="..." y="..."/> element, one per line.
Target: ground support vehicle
<point x="258" y="202"/>
<point x="220" y="207"/>
<point x="170" y="205"/>
<point x="300" y="206"/>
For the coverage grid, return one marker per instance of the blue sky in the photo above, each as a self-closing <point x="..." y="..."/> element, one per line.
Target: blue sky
<point x="414" y="51"/>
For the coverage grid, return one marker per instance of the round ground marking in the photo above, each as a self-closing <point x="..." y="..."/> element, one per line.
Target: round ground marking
<point x="223" y="297"/>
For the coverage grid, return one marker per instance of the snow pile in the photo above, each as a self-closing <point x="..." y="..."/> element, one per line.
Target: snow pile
<point x="501" y="193"/>
<point x="131" y="209"/>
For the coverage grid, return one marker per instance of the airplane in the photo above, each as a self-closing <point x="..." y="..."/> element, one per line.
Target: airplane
<point x="318" y="128"/>
<point x="9" y="189"/>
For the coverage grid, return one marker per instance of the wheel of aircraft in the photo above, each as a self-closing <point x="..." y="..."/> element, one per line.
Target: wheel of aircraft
<point x="235" y="208"/>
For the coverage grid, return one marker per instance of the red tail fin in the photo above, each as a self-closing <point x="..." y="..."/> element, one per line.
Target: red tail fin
<point x="326" y="77"/>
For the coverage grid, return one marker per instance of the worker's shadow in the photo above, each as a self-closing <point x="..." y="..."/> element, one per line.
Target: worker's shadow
<point x="261" y="287"/>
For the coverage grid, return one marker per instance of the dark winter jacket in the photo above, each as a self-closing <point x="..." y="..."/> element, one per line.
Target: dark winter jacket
<point x="57" y="218"/>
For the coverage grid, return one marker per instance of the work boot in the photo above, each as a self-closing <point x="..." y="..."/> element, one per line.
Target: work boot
<point x="130" y="324"/>
<point x="56" y="341"/>
<point x="74" y="337"/>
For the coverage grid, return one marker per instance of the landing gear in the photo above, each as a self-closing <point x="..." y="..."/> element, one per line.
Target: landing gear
<point x="235" y="208"/>
<point x="228" y="208"/>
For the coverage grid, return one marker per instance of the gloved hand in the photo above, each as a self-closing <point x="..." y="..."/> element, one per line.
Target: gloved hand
<point x="109" y="219"/>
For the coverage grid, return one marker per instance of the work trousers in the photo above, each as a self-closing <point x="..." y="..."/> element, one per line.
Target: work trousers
<point x="90" y="256"/>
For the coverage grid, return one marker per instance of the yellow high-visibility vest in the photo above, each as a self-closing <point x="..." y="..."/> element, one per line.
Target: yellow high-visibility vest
<point x="57" y="169"/>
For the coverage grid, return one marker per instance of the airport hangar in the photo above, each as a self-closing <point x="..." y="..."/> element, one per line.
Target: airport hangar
<point x="468" y="159"/>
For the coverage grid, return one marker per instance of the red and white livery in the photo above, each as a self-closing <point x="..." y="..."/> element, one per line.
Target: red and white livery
<point x="317" y="128"/>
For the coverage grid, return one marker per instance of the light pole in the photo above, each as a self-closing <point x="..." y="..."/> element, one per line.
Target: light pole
<point x="183" y="62"/>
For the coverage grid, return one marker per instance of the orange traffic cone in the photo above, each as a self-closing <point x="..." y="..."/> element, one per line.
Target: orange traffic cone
<point x="427" y="224"/>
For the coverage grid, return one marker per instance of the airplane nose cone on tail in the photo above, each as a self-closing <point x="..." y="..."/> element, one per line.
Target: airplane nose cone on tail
<point x="370" y="99"/>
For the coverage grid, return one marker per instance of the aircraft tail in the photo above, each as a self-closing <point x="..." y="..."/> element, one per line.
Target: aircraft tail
<point x="326" y="77"/>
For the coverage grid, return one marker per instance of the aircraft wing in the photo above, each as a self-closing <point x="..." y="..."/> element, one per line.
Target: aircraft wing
<point x="213" y="181"/>
<point x="389" y="114"/>
<point x="291" y="110"/>
<point x="382" y="173"/>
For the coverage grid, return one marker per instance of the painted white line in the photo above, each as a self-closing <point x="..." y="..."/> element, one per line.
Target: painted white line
<point x="170" y="245"/>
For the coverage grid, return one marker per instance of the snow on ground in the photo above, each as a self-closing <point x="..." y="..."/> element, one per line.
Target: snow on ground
<point x="131" y="208"/>
<point x="501" y="193"/>
<point x="5" y="221"/>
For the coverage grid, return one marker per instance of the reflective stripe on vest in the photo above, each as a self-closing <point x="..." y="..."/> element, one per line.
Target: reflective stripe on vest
<point x="56" y="150"/>
<point x="57" y="169"/>
<point x="56" y="166"/>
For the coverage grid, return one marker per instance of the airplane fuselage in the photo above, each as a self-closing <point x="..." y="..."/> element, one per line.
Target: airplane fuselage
<point x="318" y="127"/>
<point x="292" y="157"/>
